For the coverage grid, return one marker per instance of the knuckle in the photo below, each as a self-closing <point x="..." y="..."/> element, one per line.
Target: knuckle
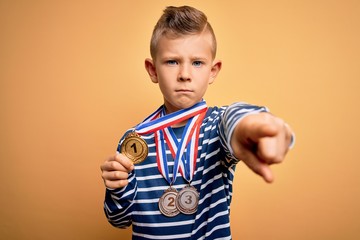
<point x="103" y="176"/>
<point x="108" y="184"/>
<point x="123" y="183"/>
<point x="113" y="165"/>
<point x="120" y="175"/>
<point x="115" y="175"/>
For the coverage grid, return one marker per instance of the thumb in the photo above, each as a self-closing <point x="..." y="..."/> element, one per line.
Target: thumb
<point x="261" y="129"/>
<point x="256" y="126"/>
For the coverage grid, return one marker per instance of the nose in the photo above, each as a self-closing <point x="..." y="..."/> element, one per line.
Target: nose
<point x="184" y="73"/>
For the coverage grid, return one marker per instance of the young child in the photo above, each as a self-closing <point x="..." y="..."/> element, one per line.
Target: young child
<point x="173" y="173"/>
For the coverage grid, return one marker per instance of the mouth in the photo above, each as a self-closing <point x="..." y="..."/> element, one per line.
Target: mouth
<point x="183" y="91"/>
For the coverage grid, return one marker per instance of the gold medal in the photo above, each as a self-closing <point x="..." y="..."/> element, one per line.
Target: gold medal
<point x="167" y="205"/>
<point x="134" y="147"/>
<point x="187" y="200"/>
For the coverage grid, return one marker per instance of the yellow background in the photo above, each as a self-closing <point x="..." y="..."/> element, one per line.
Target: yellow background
<point x="72" y="80"/>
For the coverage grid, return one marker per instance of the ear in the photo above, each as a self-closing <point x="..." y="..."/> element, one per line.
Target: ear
<point x="215" y="69"/>
<point x="150" y="68"/>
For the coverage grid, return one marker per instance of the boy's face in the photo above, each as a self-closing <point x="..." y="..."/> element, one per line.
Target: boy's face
<point x="183" y="68"/>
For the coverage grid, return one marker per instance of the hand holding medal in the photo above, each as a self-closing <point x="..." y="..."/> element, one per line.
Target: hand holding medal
<point x="115" y="171"/>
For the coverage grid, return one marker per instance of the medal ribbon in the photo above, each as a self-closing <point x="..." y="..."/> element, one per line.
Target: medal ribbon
<point x="192" y="150"/>
<point x="150" y="124"/>
<point x="189" y="140"/>
<point x="159" y="123"/>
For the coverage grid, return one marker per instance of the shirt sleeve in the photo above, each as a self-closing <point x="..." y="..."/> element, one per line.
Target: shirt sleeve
<point x="230" y="118"/>
<point x="118" y="203"/>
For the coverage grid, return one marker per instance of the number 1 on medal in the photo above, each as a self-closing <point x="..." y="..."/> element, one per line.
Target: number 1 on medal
<point x="134" y="147"/>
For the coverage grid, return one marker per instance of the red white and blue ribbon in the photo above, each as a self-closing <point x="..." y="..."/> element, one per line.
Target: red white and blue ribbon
<point x="188" y="141"/>
<point x="159" y="123"/>
<point x="150" y="125"/>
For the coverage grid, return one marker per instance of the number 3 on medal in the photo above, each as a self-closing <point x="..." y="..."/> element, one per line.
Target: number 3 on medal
<point x="188" y="201"/>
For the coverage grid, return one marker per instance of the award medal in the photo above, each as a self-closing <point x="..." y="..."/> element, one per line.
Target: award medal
<point x="187" y="200"/>
<point x="167" y="203"/>
<point x="159" y="124"/>
<point x="134" y="147"/>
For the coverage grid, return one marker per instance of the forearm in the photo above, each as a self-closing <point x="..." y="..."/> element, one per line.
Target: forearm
<point x="233" y="115"/>
<point x="119" y="202"/>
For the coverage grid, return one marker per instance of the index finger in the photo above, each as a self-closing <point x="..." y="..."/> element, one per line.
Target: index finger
<point x="259" y="167"/>
<point x="124" y="161"/>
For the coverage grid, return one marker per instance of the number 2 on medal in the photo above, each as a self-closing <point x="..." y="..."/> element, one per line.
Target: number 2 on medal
<point x="171" y="202"/>
<point x="134" y="147"/>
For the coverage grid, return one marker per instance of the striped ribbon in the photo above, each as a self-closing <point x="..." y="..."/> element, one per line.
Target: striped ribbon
<point x="159" y="123"/>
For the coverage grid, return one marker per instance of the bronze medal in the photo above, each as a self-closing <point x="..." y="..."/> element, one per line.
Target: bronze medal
<point x="134" y="147"/>
<point x="167" y="203"/>
<point x="187" y="200"/>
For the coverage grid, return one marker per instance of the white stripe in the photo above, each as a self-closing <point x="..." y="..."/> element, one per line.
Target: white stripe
<point x="141" y="201"/>
<point x="223" y="238"/>
<point x="165" y="224"/>
<point x="145" y="166"/>
<point x="129" y="193"/>
<point x="213" y="205"/>
<point x="107" y="208"/>
<point x="147" y="189"/>
<point x="211" y="168"/>
<point x="149" y="136"/>
<point x="166" y="237"/>
<point x="205" y="223"/>
<point x="211" y="180"/>
<point x="119" y="214"/>
<point x="157" y="176"/>
<point x="226" y="225"/>
<point x="141" y="213"/>
<point x="214" y="191"/>
<point x="212" y="140"/>
<point x="124" y="188"/>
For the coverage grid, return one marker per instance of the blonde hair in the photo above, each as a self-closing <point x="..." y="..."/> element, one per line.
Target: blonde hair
<point x="180" y="21"/>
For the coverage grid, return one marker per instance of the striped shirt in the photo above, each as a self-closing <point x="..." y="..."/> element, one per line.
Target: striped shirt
<point x="137" y="203"/>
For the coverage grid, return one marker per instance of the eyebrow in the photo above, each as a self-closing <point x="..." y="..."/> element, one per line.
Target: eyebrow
<point x="175" y="57"/>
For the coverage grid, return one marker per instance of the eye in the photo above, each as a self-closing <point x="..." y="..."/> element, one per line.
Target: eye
<point x="171" y="62"/>
<point x="197" y="63"/>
